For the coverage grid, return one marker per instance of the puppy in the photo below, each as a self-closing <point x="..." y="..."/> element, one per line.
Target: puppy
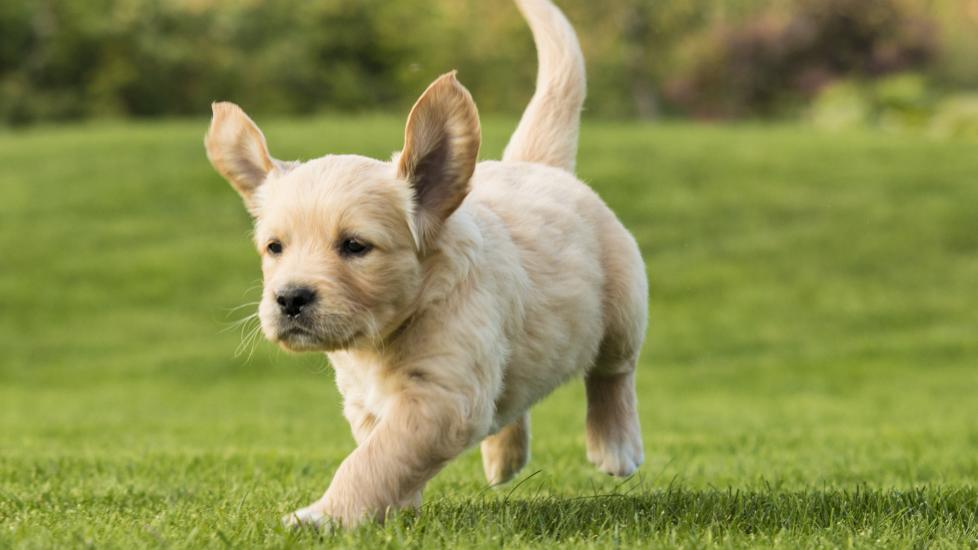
<point x="449" y="295"/>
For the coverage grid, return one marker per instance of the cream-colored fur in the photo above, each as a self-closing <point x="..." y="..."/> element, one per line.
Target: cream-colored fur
<point x="450" y="296"/>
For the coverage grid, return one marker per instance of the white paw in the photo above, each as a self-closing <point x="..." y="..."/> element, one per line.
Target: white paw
<point x="619" y="459"/>
<point x="311" y="516"/>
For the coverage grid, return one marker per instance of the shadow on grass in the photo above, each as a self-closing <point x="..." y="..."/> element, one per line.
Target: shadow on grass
<point x="923" y="517"/>
<point x="935" y="511"/>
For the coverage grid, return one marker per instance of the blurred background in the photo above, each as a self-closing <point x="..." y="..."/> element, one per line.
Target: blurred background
<point x="893" y="63"/>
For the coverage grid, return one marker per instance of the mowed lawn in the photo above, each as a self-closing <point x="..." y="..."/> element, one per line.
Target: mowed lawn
<point x="810" y="376"/>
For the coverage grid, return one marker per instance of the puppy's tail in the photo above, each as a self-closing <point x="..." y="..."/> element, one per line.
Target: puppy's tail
<point x="547" y="133"/>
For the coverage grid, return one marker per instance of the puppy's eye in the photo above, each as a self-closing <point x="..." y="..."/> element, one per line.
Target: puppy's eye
<point x="274" y="248"/>
<point x="354" y="247"/>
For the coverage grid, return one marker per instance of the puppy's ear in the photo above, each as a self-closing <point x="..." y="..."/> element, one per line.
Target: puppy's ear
<point x="237" y="150"/>
<point x="441" y="145"/>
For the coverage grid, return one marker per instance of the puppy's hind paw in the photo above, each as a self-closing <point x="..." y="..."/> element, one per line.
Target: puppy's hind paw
<point x="507" y="452"/>
<point x="619" y="457"/>
<point x="619" y="463"/>
<point x="501" y="469"/>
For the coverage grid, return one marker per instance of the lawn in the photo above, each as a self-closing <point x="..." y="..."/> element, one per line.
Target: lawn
<point x="809" y="379"/>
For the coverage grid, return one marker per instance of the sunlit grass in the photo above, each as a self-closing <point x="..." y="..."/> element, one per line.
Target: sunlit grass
<point x="809" y="378"/>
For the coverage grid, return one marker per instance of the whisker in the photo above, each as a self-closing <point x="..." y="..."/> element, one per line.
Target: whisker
<point x="255" y="339"/>
<point x="244" y="305"/>
<point x="256" y="286"/>
<point x="240" y="322"/>
<point x="248" y="342"/>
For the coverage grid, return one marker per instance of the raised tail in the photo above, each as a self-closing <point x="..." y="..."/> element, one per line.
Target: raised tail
<point x="548" y="131"/>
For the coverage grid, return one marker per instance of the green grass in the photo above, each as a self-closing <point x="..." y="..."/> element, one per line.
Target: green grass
<point x="809" y="380"/>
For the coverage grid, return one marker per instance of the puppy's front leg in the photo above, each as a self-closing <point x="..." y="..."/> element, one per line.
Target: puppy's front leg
<point x="361" y="424"/>
<point x="419" y="432"/>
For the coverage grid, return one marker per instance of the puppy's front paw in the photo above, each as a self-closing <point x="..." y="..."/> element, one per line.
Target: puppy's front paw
<point x="312" y="517"/>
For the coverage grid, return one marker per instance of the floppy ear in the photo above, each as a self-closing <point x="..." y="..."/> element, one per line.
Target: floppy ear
<point x="441" y="145"/>
<point x="237" y="150"/>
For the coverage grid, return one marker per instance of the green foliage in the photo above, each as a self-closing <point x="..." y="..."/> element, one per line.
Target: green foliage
<point x="841" y="105"/>
<point x="899" y="102"/>
<point x="906" y="102"/>
<point x="957" y="67"/>
<point x="64" y="59"/>
<point x="956" y="116"/>
<point x="808" y="379"/>
<point x="772" y="60"/>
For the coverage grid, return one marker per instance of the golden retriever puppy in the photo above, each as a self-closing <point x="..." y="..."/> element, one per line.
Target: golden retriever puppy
<point x="450" y="295"/>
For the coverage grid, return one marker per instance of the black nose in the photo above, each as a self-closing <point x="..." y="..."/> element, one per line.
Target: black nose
<point x="292" y="300"/>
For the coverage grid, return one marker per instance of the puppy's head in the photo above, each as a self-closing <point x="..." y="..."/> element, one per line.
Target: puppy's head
<point x="342" y="238"/>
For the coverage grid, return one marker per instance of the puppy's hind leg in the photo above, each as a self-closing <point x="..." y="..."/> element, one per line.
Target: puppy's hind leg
<point x="614" y="438"/>
<point x="506" y="452"/>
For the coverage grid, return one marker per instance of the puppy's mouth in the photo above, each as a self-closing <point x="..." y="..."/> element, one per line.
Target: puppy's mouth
<point x="295" y="336"/>
<point x="290" y="333"/>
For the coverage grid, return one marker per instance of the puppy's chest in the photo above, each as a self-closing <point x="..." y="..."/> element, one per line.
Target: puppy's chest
<point x="365" y="384"/>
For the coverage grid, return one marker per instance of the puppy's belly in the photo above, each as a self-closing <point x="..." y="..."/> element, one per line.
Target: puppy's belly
<point x="560" y="230"/>
<point x="527" y="382"/>
<point x="559" y="340"/>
